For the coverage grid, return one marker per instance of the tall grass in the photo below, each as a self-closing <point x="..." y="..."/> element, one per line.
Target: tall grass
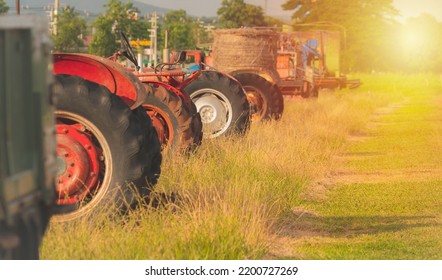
<point x="230" y="195"/>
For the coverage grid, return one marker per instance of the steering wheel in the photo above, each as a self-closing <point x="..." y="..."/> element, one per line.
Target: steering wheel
<point x="127" y="50"/>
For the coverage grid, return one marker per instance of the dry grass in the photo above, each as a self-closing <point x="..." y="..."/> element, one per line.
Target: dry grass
<point x="230" y="197"/>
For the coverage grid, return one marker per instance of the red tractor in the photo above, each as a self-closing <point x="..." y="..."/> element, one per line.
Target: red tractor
<point x="108" y="150"/>
<point x="173" y="114"/>
<point x="219" y="100"/>
<point x="216" y="99"/>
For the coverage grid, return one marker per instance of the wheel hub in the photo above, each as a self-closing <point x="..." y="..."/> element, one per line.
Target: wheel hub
<point x="208" y="114"/>
<point x="77" y="164"/>
<point x="256" y="102"/>
<point x="213" y="113"/>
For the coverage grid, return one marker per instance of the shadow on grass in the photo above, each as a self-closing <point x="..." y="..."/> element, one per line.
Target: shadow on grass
<point x="300" y="225"/>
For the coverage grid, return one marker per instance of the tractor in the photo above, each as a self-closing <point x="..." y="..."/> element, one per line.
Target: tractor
<point x="218" y="99"/>
<point x="108" y="151"/>
<point x="173" y="114"/>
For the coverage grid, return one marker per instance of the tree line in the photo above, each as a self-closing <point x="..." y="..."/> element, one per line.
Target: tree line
<point x="371" y="37"/>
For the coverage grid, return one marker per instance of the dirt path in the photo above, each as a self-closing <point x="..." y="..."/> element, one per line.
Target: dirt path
<point x="394" y="143"/>
<point x="384" y="199"/>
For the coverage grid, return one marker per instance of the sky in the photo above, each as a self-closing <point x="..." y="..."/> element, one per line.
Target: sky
<point x="209" y="7"/>
<point x="413" y="8"/>
<point x="408" y="8"/>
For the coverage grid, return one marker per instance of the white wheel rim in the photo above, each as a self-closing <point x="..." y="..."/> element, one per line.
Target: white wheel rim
<point x="215" y="110"/>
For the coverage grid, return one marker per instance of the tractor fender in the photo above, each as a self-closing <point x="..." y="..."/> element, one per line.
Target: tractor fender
<point x="264" y="73"/>
<point x="103" y="71"/>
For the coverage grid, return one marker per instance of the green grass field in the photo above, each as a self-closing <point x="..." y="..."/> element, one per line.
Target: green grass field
<point x="352" y="175"/>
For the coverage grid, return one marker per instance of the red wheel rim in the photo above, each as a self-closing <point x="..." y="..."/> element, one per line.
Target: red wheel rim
<point x="161" y="123"/>
<point x="78" y="163"/>
<point x="257" y="103"/>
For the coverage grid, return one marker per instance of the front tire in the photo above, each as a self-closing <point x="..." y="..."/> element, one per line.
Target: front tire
<point x="222" y="104"/>
<point x="172" y="121"/>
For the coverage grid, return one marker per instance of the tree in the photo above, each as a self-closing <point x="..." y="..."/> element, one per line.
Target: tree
<point x="4" y="8"/>
<point x="180" y="29"/>
<point x="361" y="22"/>
<point x="274" y="22"/>
<point x="118" y="17"/>
<point x="71" y="28"/>
<point x="201" y="35"/>
<point x="419" y="44"/>
<point x="237" y="13"/>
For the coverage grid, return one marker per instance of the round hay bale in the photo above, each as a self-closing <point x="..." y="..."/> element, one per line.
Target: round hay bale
<point x="245" y="48"/>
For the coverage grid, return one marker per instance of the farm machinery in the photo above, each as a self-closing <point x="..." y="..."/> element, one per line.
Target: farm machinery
<point x="249" y="60"/>
<point x="101" y="148"/>
<point x="73" y="142"/>
<point x="270" y="65"/>
<point x="264" y="98"/>
<point x="174" y="116"/>
<point x="106" y="144"/>
<point x="108" y="151"/>
<point x="218" y="99"/>
<point x="113" y="125"/>
<point x="313" y="56"/>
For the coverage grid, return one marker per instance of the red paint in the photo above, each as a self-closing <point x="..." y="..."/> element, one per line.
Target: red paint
<point x="110" y="74"/>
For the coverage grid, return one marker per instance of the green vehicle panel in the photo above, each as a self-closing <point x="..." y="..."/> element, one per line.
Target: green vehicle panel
<point x="27" y="136"/>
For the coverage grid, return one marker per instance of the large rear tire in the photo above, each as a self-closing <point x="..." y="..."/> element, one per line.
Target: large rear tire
<point x="222" y="104"/>
<point x="265" y="98"/>
<point x="106" y="155"/>
<point x="172" y="121"/>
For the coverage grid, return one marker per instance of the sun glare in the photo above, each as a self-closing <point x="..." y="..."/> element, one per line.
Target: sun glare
<point x="413" y="39"/>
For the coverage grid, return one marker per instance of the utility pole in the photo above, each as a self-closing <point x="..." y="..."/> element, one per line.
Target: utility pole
<point x="54" y="30"/>
<point x="166" y="47"/>
<point x="153" y="37"/>
<point x="17" y="7"/>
